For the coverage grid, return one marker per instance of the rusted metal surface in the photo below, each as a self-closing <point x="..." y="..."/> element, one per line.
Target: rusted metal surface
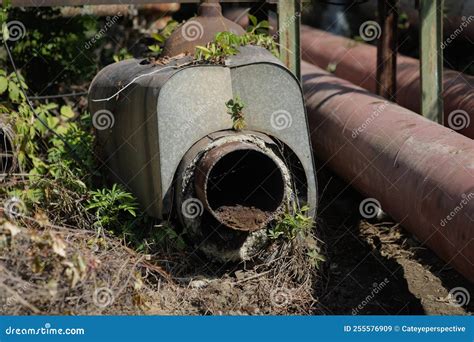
<point x="200" y="30"/>
<point x="387" y="50"/>
<point x="201" y="188"/>
<point x="356" y="62"/>
<point x="273" y="194"/>
<point x="421" y="172"/>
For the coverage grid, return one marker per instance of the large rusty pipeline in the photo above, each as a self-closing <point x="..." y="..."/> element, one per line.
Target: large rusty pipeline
<point x="421" y="172"/>
<point x="356" y="62"/>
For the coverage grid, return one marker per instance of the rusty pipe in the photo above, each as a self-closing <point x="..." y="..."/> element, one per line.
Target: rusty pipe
<point x="421" y="173"/>
<point x="229" y="187"/>
<point x="356" y="62"/>
<point x="242" y="178"/>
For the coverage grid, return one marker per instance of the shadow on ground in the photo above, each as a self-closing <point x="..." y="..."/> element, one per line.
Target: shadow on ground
<point x="378" y="267"/>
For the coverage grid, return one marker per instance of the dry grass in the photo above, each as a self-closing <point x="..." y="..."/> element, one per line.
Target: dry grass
<point x="58" y="270"/>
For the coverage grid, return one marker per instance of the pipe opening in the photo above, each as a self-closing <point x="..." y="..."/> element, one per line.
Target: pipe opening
<point x="244" y="188"/>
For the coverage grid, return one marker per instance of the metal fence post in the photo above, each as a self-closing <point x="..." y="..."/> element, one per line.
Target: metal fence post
<point x="387" y="49"/>
<point x="289" y="22"/>
<point x="431" y="59"/>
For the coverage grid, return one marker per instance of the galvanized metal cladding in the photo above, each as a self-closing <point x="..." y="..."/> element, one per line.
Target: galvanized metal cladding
<point x="420" y="172"/>
<point x="172" y="144"/>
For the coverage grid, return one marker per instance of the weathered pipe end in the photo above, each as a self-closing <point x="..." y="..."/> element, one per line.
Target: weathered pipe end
<point x="240" y="185"/>
<point x="230" y="186"/>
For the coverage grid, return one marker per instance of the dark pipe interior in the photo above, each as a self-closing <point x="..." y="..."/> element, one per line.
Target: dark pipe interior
<point x="248" y="178"/>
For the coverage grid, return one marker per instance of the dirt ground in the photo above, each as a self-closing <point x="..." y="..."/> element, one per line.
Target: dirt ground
<point x="362" y="256"/>
<point x="370" y="268"/>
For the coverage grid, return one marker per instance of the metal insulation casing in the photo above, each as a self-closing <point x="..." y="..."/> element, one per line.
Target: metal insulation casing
<point x="161" y="116"/>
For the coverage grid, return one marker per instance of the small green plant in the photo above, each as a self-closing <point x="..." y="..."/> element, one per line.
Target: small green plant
<point x="257" y="27"/>
<point x="50" y="46"/>
<point x="292" y="224"/>
<point x="160" y="37"/>
<point x="112" y="206"/>
<point x="257" y="34"/>
<point x="234" y="109"/>
<point x="122" y="55"/>
<point x="159" y="42"/>
<point x="297" y="225"/>
<point x="11" y="85"/>
<point x="403" y="21"/>
<point x="224" y="44"/>
<point x="227" y="43"/>
<point x="315" y="257"/>
<point x="170" y="27"/>
<point x="155" y="48"/>
<point x="165" y="235"/>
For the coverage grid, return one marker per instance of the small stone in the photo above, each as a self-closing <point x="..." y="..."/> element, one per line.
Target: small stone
<point x="198" y="284"/>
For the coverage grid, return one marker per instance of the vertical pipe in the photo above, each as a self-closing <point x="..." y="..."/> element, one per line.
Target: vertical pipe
<point x="387" y="50"/>
<point x="431" y="59"/>
<point x="289" y="22"/>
